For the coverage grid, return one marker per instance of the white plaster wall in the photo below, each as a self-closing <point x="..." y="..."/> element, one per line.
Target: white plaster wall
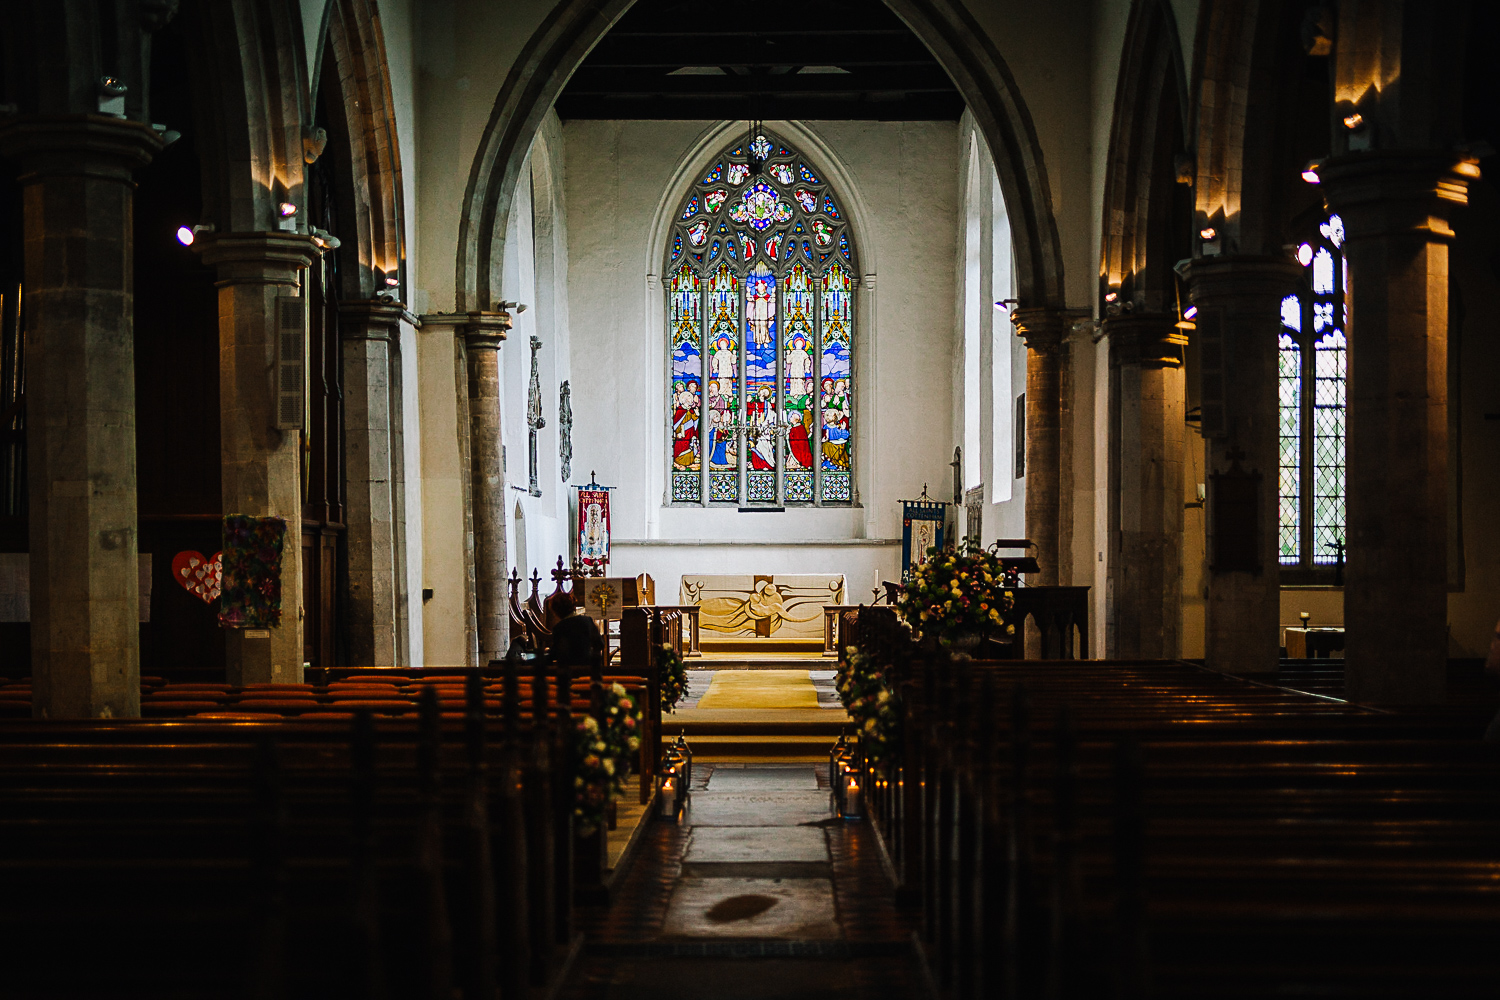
<point x="396" y="26"/>
<point x="898" y="183"/>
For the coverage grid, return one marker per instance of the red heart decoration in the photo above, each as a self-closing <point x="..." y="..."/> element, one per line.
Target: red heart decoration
<point x="199" y="574"/>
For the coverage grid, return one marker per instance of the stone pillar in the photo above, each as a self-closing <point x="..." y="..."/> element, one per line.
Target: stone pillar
<point x="261" y="467"/>
<point x="1396" y="208"/>
<point x="1147" y="397"/>
<point x="371" y="331"/>
<point x="1239" y="322"/>
<point x="483" y="334"/>
<point x="77" y="197"/>
<point x="1043" y="330"/>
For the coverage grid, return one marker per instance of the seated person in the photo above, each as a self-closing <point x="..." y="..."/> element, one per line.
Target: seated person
<point x="575" y="638"/>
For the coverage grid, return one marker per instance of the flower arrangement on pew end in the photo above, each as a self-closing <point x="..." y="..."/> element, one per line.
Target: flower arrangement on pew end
<point x="603" y="754"/>
<point x="673" y="677"/>
<point x="871" y="700"/>
<point x="958" y="597"/>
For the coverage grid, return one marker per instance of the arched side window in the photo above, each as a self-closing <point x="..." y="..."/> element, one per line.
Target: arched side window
<point x="760" y="322"/>
<point x="1313" y="366"/>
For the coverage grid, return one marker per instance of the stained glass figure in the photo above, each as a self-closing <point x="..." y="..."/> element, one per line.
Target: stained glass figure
<point x="723" y="373"/>
<point x="687" y="372"/>
<point x="760" y="382"/>
<point x="1312" y="370"/>
<point x="835" y="371"/>
<point x="798" y="404"/>
<point x="770" y="343"/>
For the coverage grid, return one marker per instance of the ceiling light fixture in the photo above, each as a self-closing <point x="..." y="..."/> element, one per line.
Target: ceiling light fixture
<point x="1310" y="172"/>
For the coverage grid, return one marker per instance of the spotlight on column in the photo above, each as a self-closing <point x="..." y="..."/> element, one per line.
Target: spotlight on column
<point x="1354" y="121"/>
<point x="392" y="280"/>
<point x="186" y="235"/>
<point x="1191" y="312"/>
<point x="1111" y="296"/>
<point x="1310" y="172"/>
<point x="286" y="209"/>
<point x="1004" y="304"/>
<point x="1305" y="254"/>
<point x="1208" y="233"/>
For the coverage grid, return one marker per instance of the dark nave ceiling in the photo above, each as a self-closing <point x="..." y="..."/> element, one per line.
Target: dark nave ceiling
<point x="810" y="59"/>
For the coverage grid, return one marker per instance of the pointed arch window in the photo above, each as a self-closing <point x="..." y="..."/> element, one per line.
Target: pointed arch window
<point x="1313" y="366"/>
<point x="760" y="324"/>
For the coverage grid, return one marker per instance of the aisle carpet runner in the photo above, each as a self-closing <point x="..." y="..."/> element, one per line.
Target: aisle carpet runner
<point x="760" y="689"/>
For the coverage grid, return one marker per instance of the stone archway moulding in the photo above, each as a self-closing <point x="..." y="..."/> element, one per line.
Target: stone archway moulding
<point x="575" y="26"/>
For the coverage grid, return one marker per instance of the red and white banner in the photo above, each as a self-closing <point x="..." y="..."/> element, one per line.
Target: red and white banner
<point x="593" y="529"/>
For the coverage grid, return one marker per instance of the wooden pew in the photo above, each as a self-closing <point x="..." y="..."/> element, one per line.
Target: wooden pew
<point x="1155" y="829"/>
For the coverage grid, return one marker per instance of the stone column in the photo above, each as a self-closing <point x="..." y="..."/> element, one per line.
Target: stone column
<point x="77" y="197"/>
<point x="370" y="331"/>
<point x="1147" y="415"/>
<point x="1239" y="322"/>
<point x="1043" y="330"/>
<point x="483" y="334"/>
<point x="1396" y="208"/>
<point x="261" y="466"/>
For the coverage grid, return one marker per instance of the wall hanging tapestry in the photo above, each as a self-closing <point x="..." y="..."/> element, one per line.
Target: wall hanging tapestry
<point x="250" y="594"/>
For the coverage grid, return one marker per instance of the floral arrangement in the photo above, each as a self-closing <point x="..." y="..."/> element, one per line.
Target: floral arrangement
<point x="603" y="753"/>
<point x="871" y="700"/>
<point x="958" y="593"/>
<point x="673" y="677"/>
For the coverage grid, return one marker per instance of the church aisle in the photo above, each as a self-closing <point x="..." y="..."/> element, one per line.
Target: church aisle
<point x="758" y="892"/>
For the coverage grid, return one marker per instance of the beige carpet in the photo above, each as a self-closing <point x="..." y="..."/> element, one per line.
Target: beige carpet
<point x="760" y="689"/>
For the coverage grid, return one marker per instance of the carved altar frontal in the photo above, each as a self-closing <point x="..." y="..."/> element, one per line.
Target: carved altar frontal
<point x="780" y="606"/>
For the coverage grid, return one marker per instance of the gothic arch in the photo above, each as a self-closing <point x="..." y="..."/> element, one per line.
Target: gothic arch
<point x="575" y="26"/>
<point x="366" y="115"/>
<point x="1150" y="128"/>
<point x="247" y="59"/>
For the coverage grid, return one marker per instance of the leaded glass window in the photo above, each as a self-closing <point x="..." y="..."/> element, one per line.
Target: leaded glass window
<point x="760" y="322"/>
<point x="1313" y="353"/>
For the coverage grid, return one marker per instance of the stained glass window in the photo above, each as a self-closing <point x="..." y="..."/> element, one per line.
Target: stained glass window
<point x="1312" y="370"/>
<point x="762" y="318"/>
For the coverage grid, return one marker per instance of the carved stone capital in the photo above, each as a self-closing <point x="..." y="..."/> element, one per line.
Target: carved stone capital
<point x="1235" y="279"/>
<point x="74" y="145"/>
<point x="370" y="319"/>
<point x="1042" y="327"/>
<point x="1398" y="192"/>
<point x="257" y="258"/>
<point x="485" y="330"/>
<point x="1151" y="340"/>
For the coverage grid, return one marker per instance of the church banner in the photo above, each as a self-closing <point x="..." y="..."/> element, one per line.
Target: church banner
<point x="921" y="531"/>
<point x="593" y="529"/>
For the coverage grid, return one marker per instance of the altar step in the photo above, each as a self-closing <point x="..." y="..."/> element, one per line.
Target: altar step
<point x="740" y="645"/>
<point x="761" y="661"/>
<point x="757" y="732"/>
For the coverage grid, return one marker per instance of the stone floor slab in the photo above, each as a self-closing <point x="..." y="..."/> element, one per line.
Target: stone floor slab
<point x="763" y="779"/>
<point x="747" y="844"/>
<point x="800" y="908"/>
<point x="780" y="809"/>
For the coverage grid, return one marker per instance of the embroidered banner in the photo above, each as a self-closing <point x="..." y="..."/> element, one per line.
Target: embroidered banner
<point x="250" y="587"/>
<point x="921" y="531"/>
<point x="593" y="529"/>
